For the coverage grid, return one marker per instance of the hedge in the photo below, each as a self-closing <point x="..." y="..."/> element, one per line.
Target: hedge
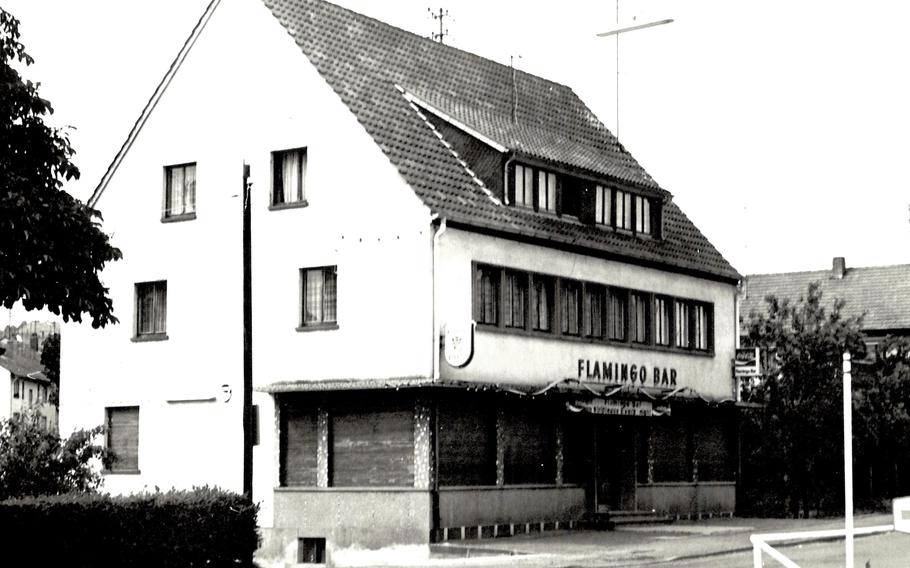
<point x="180" y="529"/>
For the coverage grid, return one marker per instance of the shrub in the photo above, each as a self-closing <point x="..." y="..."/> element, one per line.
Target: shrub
<point x="175" y="529"/>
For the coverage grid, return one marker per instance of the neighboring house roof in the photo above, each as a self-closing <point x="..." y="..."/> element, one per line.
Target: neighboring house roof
<point x="24" y="368"/>
<point x="881" y="293"/>
<point x="377" y="69"/>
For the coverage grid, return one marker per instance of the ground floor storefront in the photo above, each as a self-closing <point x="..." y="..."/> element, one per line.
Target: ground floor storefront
<point x="410" y="466"/>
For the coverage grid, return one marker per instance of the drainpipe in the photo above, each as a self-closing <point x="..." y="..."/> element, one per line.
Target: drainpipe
<point x="439" y="232"/>
<point x="505" y="179"/>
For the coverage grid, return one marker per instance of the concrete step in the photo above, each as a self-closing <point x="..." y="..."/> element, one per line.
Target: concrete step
<point x="608" y="520"/>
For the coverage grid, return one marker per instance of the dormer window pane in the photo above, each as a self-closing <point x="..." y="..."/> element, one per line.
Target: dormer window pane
<point x="623" y="210"/>
<point x="603" y="202"/>
<point x="524" y="187"/>
<point x="642" y="215"/>
<point x="546" y="191"/>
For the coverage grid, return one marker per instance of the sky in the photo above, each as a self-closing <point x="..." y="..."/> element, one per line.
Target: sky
<point x="780" y="127"/>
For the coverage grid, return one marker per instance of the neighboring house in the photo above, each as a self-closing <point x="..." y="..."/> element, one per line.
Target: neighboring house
<point x="24" y="388"/>
<point x="880" y="294"/>
<point x="405" y="195"/>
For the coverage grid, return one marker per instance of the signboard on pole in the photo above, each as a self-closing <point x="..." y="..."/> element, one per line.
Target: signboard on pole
<point x="747" y="362"/>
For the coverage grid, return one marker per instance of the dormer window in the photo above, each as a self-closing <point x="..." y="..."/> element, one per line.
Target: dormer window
<point x="524" y="187"/>
<point x="623" y="210"/>
<point x="584" y="199"/>
<point x="642" y="215"/>
<point x="546" y="191"/>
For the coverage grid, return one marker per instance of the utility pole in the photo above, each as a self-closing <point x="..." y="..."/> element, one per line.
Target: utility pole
<point x="247" y="339"/>
<point x="439" y="16"/>
<point x="616" y="32"/>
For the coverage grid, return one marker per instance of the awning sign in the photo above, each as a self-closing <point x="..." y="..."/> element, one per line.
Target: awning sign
<point x="614" y="407"/>
<point x="746" y="362"/>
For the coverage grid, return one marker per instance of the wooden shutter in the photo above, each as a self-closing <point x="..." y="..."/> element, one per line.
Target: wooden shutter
<point x="298" y="447"/>
<point x="373" y="448"/>
<point x="529" y="453"/>
<point x="123" y="437"/>
<point x="467" y="443"/>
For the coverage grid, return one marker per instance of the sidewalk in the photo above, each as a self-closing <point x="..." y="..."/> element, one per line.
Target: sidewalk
<point x="627" y="546"/>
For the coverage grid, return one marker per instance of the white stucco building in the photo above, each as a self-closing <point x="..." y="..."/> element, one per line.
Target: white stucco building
<point x="405" y="196"/>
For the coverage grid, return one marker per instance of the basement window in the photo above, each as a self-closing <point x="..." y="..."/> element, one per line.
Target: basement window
<point x="311" y="551"/>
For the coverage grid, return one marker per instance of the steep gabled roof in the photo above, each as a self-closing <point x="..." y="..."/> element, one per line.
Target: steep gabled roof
<point x="20" y="367"/>
<point x="882" y="293"/>
<point x="372" y="65"/>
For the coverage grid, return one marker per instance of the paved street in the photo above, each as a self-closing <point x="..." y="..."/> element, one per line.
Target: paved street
<point x="891" y="550"/>
<point x="703" y="544"/>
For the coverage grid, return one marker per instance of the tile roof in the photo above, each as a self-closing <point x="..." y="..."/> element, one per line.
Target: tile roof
<point x="366" y="61"/>
<point x="882" y="293"/>
<point x="23" y="368"/>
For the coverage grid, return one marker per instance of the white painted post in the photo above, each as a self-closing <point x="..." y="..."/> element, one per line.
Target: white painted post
<point x="848" y="462"/>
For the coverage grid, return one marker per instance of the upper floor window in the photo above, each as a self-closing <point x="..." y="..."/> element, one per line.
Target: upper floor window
<point x="619" y="304"/>
<point x="570" y="307"/>
<point x="661" y="321"/>
<point x="638" y="316"/>
<point x="541" y="303"/>
<point x="623" y="210"/>
<point x="289" y="177"/>
<point x="546" y="191"/>
<point x="603" y="205"/>
<point x="179" y="192"/>
<point x="515" y="299"/>
<point x="593" y="312"/>
<point x="642" y="215"/>
<point x="702" y="328"/>
<point x="681" y="326"/>
<point x="319" y="296"/>
<point x="151" y="310"/>
<point x="15" y="388"/>
<point x="524" y="186"/>
<point x="486" y="294"/>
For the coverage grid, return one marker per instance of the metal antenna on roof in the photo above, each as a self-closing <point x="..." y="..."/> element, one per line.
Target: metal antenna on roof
<point x="514" y="89"/>
<point x="440" y="16"/>
<point x="616" y="32"/>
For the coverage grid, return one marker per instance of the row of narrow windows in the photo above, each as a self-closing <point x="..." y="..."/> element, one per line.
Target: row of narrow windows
<point x="522" y="301"/>
<point x="545" y="191"/>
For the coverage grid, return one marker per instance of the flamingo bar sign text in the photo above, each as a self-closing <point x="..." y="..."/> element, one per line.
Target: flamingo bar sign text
<point x="624" y="373"/>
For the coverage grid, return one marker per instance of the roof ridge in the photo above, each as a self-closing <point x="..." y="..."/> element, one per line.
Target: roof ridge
<point x="828" y="270"/>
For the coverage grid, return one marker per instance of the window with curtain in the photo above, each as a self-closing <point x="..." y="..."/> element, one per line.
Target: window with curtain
<point x="320" y="296"/>
<point x="151" y="309"/>
<point x="570" y="307"/>
<point x="702" y="321"/>
<point x="642" y="215"/>
<point x="623" y="210"/>
<point x="682" y="324"/>
<point x="524" y="186"/>
<point x="546" y="191"/>
<point x="487" y="294"/>
<point x="289" y="183"/>
<point x="123" y="438"/>
<point x="515" y="299"/>
<point x="638" y="312"/>
<point x="594" y="311"/>
<point x="661" y="321"/>
<point x="180" y="191"/>
<point x="603" y="205"/>
<point x="619" y="304"/>
<point x="541" y="303"/>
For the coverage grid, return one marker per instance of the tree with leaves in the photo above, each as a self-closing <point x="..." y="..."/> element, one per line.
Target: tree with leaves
<point x="882" y="422"/>
<point x="35" y="461"/>
<point x="793" y="452"/>
<point x="51" y="244"/>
